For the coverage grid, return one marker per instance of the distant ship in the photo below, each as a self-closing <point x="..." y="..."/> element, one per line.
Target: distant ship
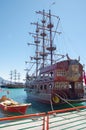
<point x="57" y="78"/>
<point x="13" y="85"/>
<point x="14" y="81"/>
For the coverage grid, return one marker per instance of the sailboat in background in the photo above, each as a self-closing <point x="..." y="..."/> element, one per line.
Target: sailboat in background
<point x="57" y="77"/>
<point x="14" y="81"/>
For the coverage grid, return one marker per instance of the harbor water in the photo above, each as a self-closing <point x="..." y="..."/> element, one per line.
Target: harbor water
<point x="18" y="94"/>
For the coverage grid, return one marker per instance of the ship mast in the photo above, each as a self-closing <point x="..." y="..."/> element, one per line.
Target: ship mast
<point x="37" y="42"/>
<point x="51" y="48"/>
<point x="15" y="72"/>
<point x="44" y="35"/>
<point x="11" y="78"/>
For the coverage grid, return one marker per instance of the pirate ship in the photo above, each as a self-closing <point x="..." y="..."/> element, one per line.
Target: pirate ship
<point x="57" y="77"/>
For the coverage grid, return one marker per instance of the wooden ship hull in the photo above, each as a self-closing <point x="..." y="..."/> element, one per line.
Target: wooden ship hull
<point x="66" y="84"/>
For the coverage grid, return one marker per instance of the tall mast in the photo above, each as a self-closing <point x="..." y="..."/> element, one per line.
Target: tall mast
<point x="18" y="77"/>
<point x="15" y="75"/>
<point x="51" y="48"/>
<point x="43" y="34"/>
<point x="37" y="42"/>
<point x="11" y="78"/>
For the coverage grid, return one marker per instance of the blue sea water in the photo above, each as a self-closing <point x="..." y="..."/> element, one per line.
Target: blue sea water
<point x="20" y="95"/>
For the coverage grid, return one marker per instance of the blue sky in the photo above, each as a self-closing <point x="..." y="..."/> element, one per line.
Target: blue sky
<point x="15" y="19"/>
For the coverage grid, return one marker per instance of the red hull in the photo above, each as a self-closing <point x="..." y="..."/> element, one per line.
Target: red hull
<point x="10" y="105"/>
<point x="15" y="108"/>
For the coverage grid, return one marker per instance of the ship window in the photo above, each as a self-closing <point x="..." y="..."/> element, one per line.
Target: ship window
<point x="45" y="86"/>
<point x="51" y="73"/>
<point x="50" y="85"/>
<point x="41" y="75"/>
<point x="60" y="73"/>
<point x="46" y="75"/>
<point x="41" y="87"/>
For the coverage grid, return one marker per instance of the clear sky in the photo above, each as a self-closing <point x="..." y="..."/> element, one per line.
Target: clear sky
<point x="15" y="19"/>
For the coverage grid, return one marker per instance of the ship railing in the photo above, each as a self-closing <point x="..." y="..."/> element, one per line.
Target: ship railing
<point x="44" y="78"/>
<point x="37" y="121"/>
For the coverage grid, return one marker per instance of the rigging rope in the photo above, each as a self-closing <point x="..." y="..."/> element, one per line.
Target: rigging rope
<point x="56" y="30"/>
<point x="65" y="101"/>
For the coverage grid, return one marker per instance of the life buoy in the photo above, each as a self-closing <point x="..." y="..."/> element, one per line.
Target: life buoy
<point x="55" y="99"/>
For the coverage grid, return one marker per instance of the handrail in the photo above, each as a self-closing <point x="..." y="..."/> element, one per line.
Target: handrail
<point x="22" y="116"/>
<point x="66" y="110"/>
<point x="45" y="116"/>
<point x="41" y="114"/>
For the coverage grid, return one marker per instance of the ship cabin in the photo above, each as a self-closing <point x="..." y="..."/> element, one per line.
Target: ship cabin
<point x="65" y="78"/>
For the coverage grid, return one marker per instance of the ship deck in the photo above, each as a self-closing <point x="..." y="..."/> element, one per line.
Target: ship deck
<point x="60" y="119"/>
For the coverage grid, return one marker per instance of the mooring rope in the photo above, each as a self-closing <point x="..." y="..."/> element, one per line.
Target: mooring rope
<point x="64" y="100"/>
<point x="51" y="105"/>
